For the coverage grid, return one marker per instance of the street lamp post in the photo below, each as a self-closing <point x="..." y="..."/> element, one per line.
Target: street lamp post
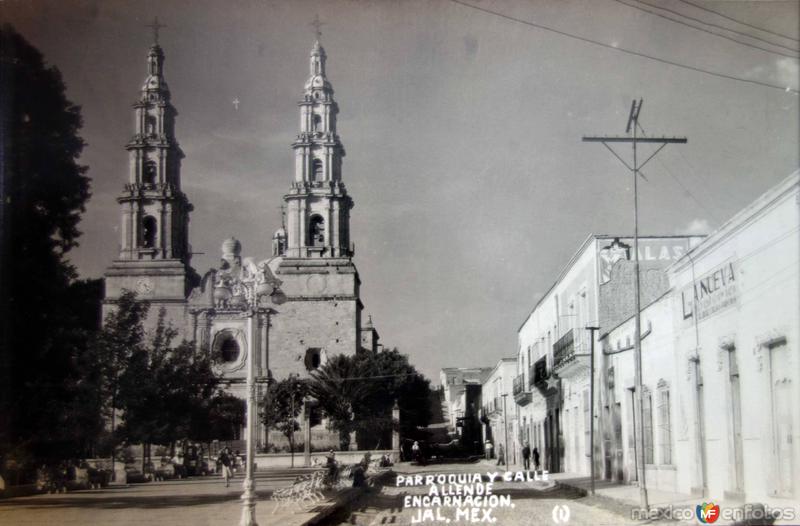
<point x="253" y="286"/>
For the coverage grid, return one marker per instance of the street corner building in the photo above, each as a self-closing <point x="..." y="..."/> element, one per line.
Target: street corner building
<point x="310" y="265"/>
<point x="720" y="333"/>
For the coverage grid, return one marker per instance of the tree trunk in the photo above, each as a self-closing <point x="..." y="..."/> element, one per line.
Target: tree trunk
<point x="291" y="446"/>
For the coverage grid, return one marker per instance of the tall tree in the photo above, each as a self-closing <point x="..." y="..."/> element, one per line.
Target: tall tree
<point x="220" y="419"/>
<point x="393" y="380"/>
<point x="43" y="190"/>
<point x="338" y="387"/>
<point x="283" y="403"/>
<point x="162" y="388"/>
<point x="357" y="394"/>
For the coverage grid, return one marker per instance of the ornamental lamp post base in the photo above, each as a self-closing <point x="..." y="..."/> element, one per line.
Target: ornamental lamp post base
<point x="249" y="504"/>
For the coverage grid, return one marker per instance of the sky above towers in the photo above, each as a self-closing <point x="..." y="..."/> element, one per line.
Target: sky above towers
<point x="462" y="128"/>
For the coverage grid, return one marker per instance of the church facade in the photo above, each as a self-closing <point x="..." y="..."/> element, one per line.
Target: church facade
<point x="228" y="311"/>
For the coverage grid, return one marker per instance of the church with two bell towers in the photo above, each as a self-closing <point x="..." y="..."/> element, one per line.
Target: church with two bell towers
<point x="310" y="259"/>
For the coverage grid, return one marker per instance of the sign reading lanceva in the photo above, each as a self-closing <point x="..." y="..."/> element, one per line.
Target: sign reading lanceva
<point x="711" y="293"/>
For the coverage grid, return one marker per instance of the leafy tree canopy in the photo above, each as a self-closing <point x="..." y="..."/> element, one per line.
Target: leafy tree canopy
<point x="43" y="191"/>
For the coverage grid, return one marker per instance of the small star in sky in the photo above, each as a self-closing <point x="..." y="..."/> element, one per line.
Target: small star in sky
<point x="236" y="102"/>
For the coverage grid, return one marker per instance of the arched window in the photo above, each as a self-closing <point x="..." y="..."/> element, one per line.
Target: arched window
<point x="313" y="359"/>
<point x="317" y="122"/>
<point x="149" y="175"/>
<point x="316" y="170"/>
<point x="229" y="349"/>
<point x="150" y="125"/>
<point x="149" y="229"/>
<point x="316" y="231"/>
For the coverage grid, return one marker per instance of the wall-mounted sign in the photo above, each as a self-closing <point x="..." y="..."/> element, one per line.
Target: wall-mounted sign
<point x="663" y="250"/>
<point x="710" y="293"/>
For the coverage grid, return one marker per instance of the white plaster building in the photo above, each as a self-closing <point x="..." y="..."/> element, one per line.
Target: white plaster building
<point x="552" y="386"/>
<point x="454" y="382"/>
<point x="499" y="420"/>
<point x="736" y="309"/>
<point x="615" y="446"/>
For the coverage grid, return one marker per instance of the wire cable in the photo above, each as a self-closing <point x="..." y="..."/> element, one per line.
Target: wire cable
<point x="711" y="24"/>
<point x="738" y="21"/>
<point x="685" y="189"/>
<point x="787" y="89"/>
<point x="654" y="13"/>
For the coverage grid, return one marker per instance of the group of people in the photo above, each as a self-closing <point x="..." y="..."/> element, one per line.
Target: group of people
<point x="488" y="448"/>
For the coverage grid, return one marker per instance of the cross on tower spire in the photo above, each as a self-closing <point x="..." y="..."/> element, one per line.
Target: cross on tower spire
<point x="317" y="25"/>
<point x="155" y="26"/>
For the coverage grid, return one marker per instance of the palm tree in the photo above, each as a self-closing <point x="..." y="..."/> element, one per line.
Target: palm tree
<point x="338" y="385"/>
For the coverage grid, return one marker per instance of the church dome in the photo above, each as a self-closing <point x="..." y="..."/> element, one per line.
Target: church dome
<point x="231" y="246"/>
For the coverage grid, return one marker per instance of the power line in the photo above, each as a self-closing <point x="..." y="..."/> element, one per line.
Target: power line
<point x="628" y="51"/>
<point x="685" y="189"/>
<point x="737" y="21"/>
<point x="654" y="13"/>
<point x="711" y="24"/>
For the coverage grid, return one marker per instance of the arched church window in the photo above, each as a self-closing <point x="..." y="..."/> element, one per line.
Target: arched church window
<point x="150" y="125"/>
<point x="149" y="176"/>
<point x="313" y="359"/>
<point x="149" y="228"/>
<point x="316" y="167"/>
<point x="317" y="122"/>
<point x="316" y="231"/>
<point x="229" y="349"/>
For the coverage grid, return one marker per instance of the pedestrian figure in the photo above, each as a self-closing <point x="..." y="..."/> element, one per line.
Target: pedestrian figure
<point x="536" y="459"/>
<point x="526" y="457"/>
<point x="488" y="448"/>
<point x="225" y="460"/>
<point x="415" y="451"/>
<point x="332" y="468"/>
<point x="501" y="456"/>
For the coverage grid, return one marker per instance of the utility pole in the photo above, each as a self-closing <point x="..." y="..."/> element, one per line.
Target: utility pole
<point x="591" y="330"/>
<point x="633" y="138"/>
<point x="505" y="431"/>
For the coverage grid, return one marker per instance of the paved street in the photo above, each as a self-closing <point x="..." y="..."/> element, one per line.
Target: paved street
<point x="199" y="502"/>
<point x="529" y="506"/>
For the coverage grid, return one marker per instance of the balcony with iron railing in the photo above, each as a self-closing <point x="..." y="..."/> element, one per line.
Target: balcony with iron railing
<point x="571" y="353"/>
<point x="522" y="393"/>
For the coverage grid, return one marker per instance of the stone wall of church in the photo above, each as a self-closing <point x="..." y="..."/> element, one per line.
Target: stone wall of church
<point x="327" y="324"/>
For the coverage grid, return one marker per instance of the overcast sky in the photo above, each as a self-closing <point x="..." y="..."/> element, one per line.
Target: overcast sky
<point x="463" y="130"/>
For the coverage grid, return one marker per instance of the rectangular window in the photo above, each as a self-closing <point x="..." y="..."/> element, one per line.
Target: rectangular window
<point x="647" y="425"/>
<point x="664" y="425"/>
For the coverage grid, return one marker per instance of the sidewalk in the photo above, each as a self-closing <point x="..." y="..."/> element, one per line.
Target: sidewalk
<point x="627" y="497"/>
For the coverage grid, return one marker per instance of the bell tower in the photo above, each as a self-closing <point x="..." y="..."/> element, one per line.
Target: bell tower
<point x="318" y="207"/>
<point x="155" y="212"/>
<point x="154" y="252"/>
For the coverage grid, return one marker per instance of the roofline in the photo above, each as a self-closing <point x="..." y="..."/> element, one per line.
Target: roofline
<point x="592" y="237"/>
<point x="727" y="229"/>
<point x="500" y="362"/>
